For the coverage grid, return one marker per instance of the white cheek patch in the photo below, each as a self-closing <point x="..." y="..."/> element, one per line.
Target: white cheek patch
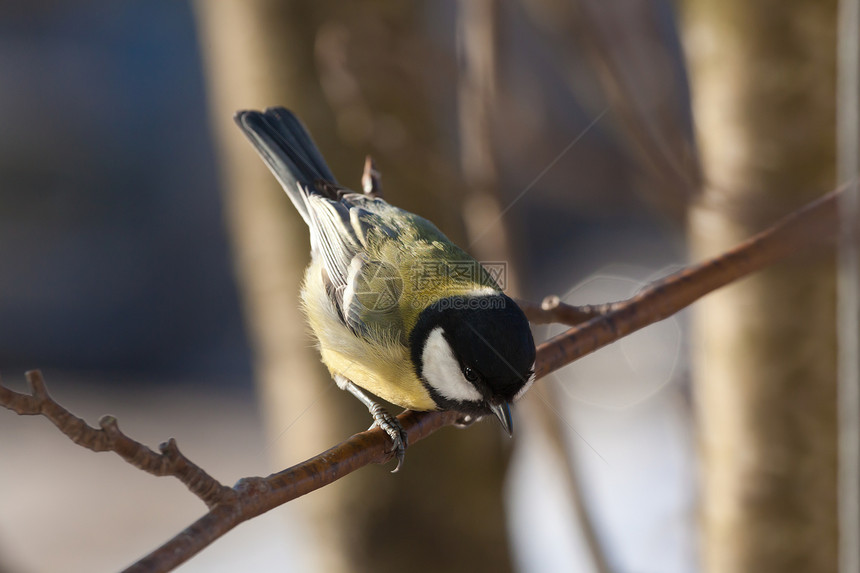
<point x="442" y="371"/>
<point x="526" y="386"/>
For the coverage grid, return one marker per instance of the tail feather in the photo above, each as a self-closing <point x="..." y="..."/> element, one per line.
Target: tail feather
<point x="288" y="150"/>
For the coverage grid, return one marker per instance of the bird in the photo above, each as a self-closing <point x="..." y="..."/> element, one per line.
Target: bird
<point x="399" y="312"/>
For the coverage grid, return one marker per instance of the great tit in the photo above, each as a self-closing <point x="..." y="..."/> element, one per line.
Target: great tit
<point x="399" y="311"/>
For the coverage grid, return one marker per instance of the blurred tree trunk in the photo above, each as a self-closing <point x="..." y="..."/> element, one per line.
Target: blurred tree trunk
<point x="355" y="76"/>
<point x="486" y="228"/>
<point x="763" y="84"/>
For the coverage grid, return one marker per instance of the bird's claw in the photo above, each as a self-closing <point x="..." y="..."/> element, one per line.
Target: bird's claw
<point x="391" y="426"/>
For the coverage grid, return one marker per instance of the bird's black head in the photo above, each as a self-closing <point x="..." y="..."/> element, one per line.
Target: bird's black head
<point x="475" y="354"/>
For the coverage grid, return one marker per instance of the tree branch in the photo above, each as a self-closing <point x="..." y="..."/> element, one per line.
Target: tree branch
<point x="596" y="327"/>
<point x="170" y="462"/>
<point x="811" y="225"/>
<point x="258" y="495"/>
<point x="553" y="310"/>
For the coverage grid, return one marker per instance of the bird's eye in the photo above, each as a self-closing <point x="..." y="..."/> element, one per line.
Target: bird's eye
<point x="470" y="374"/>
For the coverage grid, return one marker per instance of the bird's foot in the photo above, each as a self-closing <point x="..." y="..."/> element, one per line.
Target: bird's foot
<point x="391" y="426"/>
<point x="381" y="418"/>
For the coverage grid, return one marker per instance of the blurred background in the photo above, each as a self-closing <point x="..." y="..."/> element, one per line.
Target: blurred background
<point x="150" y="266"/>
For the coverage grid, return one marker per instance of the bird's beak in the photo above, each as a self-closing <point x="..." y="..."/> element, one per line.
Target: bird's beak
<point x="503" y="413"/>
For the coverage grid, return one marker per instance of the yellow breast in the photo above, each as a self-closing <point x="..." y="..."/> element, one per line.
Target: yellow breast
<point x="384" y="370"/>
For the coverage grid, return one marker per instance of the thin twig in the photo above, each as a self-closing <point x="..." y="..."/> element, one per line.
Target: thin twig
<point x="255" y="496"/>
<point x="553" y="310"/>
<point x="371" y="178"/>
<point x="811" y="225"/>
<point x="170" y="462"/>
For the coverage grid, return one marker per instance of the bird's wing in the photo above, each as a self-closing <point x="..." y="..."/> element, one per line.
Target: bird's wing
<point x="344" y="226"/>
<point x="364" y="286"/>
